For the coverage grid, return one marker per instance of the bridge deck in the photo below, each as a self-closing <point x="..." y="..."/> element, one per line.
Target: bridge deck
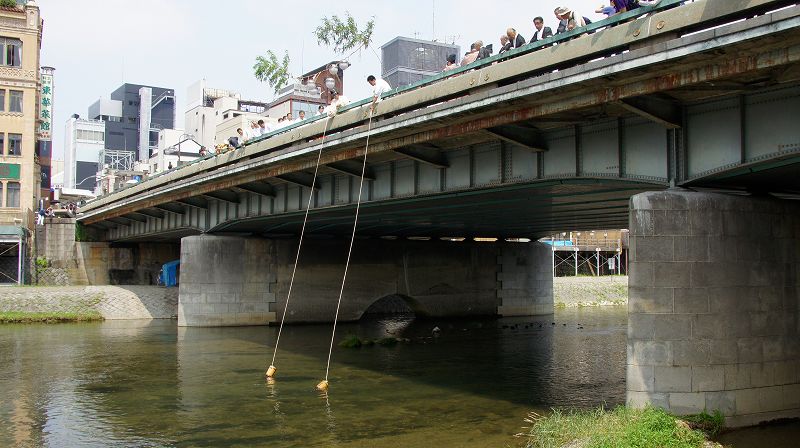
<point x="514" y="148"/>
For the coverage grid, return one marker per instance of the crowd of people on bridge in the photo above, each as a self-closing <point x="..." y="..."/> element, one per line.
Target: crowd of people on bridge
<point x="568" y="20"/>
<point x="260" y="128"/>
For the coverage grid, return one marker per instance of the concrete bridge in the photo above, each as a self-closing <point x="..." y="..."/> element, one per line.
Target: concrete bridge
<point x="680" y="123"/>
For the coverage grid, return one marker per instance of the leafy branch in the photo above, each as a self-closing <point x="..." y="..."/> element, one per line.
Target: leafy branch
<point x="272" y="71"/>
<point x="343" y="34"/>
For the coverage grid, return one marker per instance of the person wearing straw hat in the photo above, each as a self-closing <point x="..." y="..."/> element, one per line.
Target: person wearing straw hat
<point x="565" y="14"/>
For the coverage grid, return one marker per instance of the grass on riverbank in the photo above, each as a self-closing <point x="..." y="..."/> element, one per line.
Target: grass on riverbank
<point x="49" y="318"/>
<point x="622" y="427"/>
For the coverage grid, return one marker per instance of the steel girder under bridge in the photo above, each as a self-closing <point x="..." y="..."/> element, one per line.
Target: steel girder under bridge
<point x="553" y="138"/>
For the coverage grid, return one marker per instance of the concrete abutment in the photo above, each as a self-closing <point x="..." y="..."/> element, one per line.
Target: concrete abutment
<point x="230" y="280"/>
<point x="713" y="305"/>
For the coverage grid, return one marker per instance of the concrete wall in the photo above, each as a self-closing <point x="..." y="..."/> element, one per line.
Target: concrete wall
<point x="112" y="302"/>
<point x="525" y="277"/>
<point x="96" y="263"/>
<point x="713" y="305"/>
<point x="226" y="281"/>
<point x="434" y="278"/>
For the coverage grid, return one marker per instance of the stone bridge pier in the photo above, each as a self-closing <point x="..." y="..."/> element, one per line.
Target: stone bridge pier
<point x="713" y="302"/>
<point x="232" y="280"/>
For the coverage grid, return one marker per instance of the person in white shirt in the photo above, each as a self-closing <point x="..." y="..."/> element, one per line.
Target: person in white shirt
<point x="379" y="87"/>
<point x="253" y="132"/>
<point x="263" y="127"/>
<point x="339" y="101"/>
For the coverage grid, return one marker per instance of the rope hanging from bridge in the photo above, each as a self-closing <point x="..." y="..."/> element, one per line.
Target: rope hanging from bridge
<point x="323" y="385"/>
<point x="272" y="369"/>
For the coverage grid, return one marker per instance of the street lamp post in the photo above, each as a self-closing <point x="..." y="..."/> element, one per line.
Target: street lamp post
<point x="177" y="147"/>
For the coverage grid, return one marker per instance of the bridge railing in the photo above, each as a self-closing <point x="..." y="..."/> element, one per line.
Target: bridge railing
<point x="595" y="53"/>
<point x="529" y="47"/>
<point x="485" y="62"/>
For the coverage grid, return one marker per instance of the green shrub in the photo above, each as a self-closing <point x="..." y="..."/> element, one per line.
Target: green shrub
<point x="622" y="427"/>
<point x="8" y="3"/>
<point x="350" y="341"/>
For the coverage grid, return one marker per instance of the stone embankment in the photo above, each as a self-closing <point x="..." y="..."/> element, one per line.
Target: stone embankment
<point x="112" y="302"/>
<point x="590" y="291"/>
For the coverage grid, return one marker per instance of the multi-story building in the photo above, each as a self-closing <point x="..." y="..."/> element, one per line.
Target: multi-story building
<point x="134" y="115"/>
<point x="406" y="60"/>
<point x="84" y="146"/>
<point x="313" y="89"/>
<point x="213" y="115"/>
<point x="20" y="103"/>
<point x="201" y="116"/>
<point x="175" y="148"/>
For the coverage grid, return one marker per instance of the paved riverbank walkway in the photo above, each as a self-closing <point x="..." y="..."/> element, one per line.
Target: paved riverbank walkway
<point x="112" y="302"/>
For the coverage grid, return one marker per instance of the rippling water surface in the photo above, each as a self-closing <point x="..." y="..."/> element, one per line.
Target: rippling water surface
<point x="141" y="383"/>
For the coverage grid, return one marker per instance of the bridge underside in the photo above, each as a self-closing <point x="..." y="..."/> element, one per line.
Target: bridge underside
<point x="526" y="210"/>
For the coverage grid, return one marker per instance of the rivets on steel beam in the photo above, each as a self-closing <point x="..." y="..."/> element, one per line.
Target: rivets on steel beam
<point x="660" y="25"/>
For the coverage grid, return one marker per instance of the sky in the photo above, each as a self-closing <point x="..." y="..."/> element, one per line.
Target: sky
<point x="97" y="45"/>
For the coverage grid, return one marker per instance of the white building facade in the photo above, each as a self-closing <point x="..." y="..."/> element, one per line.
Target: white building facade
<point x="85" y="142"/>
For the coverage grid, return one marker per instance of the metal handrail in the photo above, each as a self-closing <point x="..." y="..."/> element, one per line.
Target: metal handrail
<point x="527" y="49"/>
<point x="485" y="62"/>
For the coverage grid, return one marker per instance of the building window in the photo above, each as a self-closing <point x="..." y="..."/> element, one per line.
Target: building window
<point x="15" y="101"/>
<point x="12" y="195"/>
<point x="2" y="143"/>
<point x="11" y="52"/>
<point x="95" y="136"/>
<point x="2" y="100"/>
<point x="131" y="119"/>
<point x="15" y="144"/>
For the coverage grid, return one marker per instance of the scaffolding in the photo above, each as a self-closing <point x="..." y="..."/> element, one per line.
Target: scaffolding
<point x="591" y="253"/>
<point x="578" y="262"/>
<point x="117" y="159"/>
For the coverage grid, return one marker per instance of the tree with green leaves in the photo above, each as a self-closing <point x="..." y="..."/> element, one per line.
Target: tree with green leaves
<point x="342" y="34"/>
<point x="272" y="71"/>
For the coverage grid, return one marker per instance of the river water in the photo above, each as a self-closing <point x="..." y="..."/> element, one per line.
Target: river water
<point x="148" y="384"/>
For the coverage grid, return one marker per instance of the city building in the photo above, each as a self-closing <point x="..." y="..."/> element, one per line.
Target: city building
<point x="57" y="170"/>
<point x="84" y="146"/>
<point x="20" y="105"/>
<point x="213" y="115"/>
<point x="312" y="89"/>
<point x="134" y="115"/>
<point x="406" y="60"/>
<point x="175" y="148"/>
<point x="201" y="116"/>
<point x="230" y="117"/>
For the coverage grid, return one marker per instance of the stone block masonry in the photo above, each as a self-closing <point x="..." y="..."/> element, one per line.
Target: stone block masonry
<point x="112" y="302"/>
<point x="713" y="305"/>
<point x="226" y="281"/>
<point x="229" y="281"/>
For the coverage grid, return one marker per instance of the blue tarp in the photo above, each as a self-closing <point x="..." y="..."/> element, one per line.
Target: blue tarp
<point x="169" y="273"/>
